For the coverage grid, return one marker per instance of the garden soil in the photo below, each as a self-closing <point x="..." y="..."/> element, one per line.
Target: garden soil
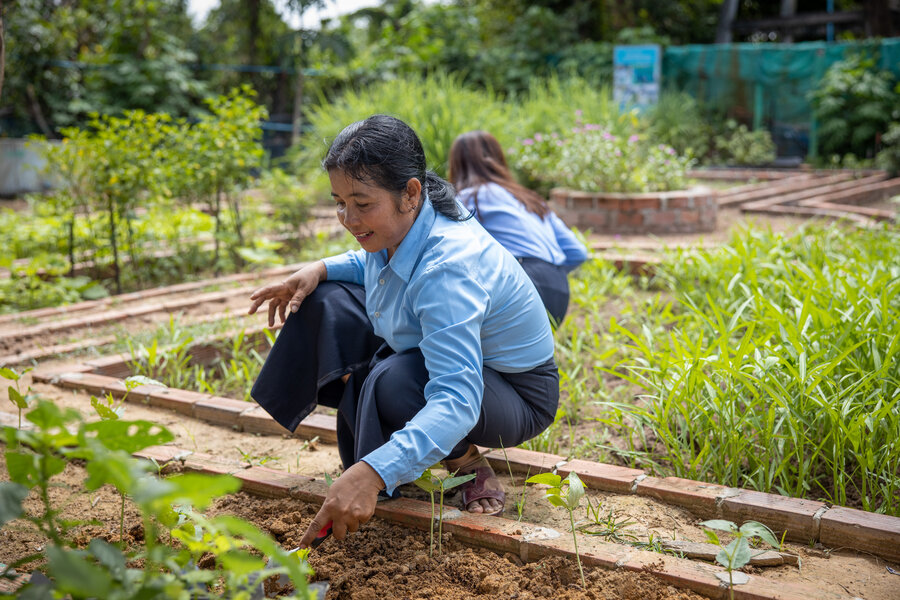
<point x="392" y="561"/>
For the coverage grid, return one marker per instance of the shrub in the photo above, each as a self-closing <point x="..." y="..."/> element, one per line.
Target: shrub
<point x="593" y="159"/>
<point x="889" y="157"/>
<point x="740" y="146"/>
<point x="678" y="121"/>
<point x="438" y="107"/>
<point x="854" y="104"/>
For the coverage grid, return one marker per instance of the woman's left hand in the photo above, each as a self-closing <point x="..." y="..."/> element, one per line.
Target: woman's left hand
<point x="349" y="503"/>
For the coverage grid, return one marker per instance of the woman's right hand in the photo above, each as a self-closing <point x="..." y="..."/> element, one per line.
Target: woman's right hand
<point x="290" y="293"/>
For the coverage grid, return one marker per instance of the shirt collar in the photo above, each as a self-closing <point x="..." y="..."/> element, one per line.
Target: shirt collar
<point x="408" y="253"/>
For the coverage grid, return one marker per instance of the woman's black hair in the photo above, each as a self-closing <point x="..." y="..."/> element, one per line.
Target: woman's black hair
<point x="386" y="152"/>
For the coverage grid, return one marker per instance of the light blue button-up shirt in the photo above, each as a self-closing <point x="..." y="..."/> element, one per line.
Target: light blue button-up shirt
<point x="464" y="300"/>
<point x="524" y="233"/>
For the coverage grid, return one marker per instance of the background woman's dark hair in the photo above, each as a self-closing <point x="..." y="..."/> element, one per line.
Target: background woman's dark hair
<point x="386" y="152"/>
<point x="476" y="158"/>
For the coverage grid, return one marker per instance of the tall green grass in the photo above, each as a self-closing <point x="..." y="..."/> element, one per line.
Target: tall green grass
<point x="439" y="107"/>
<point x="780" y="370"/>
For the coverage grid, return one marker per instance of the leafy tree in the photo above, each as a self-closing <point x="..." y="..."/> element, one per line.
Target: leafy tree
<point x="854" y="105"/>
<point x="70" y="58"/>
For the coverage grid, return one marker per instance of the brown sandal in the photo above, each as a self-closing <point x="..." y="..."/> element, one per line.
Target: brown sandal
<point x="475" y="489"/>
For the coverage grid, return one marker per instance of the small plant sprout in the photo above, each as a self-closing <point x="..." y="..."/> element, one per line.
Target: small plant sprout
<point x="573" y="495"/>
<point x="431" y="483"/>
<point x="110" y="410"/>
<point x="520" y="497"/>
<point x="737" y="553"/>
<point x="15" y="394"/>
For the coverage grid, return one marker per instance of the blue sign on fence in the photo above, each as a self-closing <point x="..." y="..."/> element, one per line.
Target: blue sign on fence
<point x="636" y="76"/>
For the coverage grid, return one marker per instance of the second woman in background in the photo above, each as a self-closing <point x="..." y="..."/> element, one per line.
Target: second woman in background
<point x="517" y="217"/>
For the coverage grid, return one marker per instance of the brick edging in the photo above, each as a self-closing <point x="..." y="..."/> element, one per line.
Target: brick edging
<point x="804" y="521"/>
<point x="800" y="520"/>
<point x="500" y="534"/>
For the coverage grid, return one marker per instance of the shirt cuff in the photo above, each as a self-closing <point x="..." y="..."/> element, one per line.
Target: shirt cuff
<point x="391" y="464"/>
<point x="340" y="268"/>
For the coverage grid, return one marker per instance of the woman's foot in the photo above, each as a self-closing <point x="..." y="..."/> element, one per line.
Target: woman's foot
<point x="484" y="494"/>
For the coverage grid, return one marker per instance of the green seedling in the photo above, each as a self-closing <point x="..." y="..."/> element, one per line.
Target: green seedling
<point x="15" y="394"/>
<point x="251" y="459"/>
<point x="431" y="483"/>
<point x="520" y="497"/>
<point x="609" y="525"/>
<point x="573" y="494"/>
<point x="107" y="407"/>
<point x="102" y="570"/>
<point x="737" y="553"/>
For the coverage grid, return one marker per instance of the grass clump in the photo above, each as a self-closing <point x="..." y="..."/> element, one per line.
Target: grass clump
<point x="778" y="368"/>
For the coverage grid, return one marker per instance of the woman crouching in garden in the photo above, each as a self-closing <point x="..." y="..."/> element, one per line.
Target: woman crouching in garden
<point x="428" y="341"/>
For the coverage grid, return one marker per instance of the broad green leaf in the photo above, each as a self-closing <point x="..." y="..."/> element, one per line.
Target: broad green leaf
<point x="739" y="549"/>
<point x="575" y="491"/>
<point x="16" y="397"/>
<point x="712" y="536"/>
<point x="117" y="469"/>
<point x="23" y="468"/>
<point x="136" y="380"/>
<point x="46" y="415"/>
<point x="452" y="482"/>
<point x="241" y="562"/>
<point x="722" y="558"/>
<point x="556" y="500"/>
<point x="720" y="524"/>
<point x="129" y="436"/>
<point x="427" y="482"/>
<point x="11" y="497"/>
<point x="198" y="489"/>
<point x="7" y="373"/>
<point x="108" y="556"/>
<point x="551" y="479"/>
<point x="75" y="575"/>
<point x="756" y="529"/>
<point x="104" y="411"/>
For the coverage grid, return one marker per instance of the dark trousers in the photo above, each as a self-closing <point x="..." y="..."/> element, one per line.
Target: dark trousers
<point x="331" y="336"/>
<point x="552" y="285"/>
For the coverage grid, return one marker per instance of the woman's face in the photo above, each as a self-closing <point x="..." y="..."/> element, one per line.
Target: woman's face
<point x="371" y="214"/>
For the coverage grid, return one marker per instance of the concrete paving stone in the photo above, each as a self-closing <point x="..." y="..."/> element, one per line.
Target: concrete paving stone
<point x="870" y="532"/>
<point x="599" y="476"/>
<point x="779" y="513"/>
<point x="699" y="498"/>
<point x="220" y="411"/>
<point x="269" y="482"/>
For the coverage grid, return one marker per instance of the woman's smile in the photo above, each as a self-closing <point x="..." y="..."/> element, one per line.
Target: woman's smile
<point x="379" y="219"/>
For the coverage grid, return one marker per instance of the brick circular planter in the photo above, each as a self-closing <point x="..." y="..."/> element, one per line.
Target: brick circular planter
<point x="679" y="211"/>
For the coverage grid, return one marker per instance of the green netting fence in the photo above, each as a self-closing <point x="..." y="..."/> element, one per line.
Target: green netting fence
<point x="767" y="85"/>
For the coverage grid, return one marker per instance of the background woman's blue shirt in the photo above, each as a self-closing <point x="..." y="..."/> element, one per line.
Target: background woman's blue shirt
<point x="464" y="300"/>
<point x="524" y="233"/>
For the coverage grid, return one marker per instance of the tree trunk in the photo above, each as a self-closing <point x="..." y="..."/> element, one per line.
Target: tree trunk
<point x="298" y="105"/>
<point x="216" y="214"/>
<point x="70" y="226"/>
<point x="727" y="15"/>
<point x="2" y="50"/>
<point x="111" y="208"/>
<point x="788" y="9"/>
